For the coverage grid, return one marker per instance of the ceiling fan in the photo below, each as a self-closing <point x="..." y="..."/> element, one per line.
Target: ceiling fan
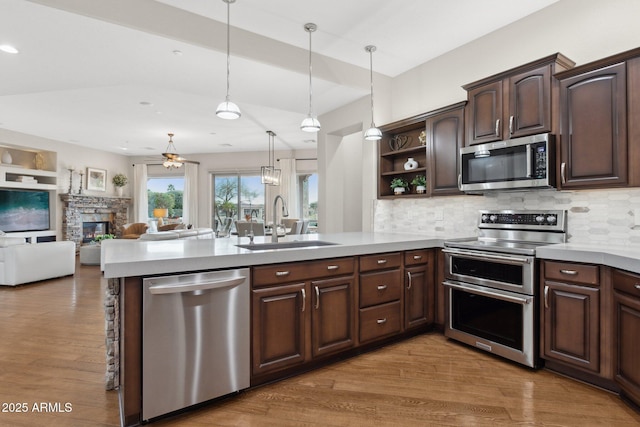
<point x="171" y="159"/>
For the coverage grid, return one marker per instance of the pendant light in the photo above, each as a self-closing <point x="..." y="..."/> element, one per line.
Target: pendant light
<point x="373" y="133"/>
<point x="227" y="109"/>
<point x="311" y="123"/>
<point x="271" y="175"/>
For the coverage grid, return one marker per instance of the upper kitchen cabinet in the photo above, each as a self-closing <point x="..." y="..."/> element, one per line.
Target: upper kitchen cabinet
<point x="402" y="155"/>
<point x="515" y="103"/>
<point x="598" y="137"/>
<point x="445" y="137"/>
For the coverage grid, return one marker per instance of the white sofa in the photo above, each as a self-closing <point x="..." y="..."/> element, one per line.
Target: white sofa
<point x="22" y="262"/>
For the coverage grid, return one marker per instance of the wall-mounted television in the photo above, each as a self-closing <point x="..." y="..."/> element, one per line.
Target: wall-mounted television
<point x="24" y="210"/>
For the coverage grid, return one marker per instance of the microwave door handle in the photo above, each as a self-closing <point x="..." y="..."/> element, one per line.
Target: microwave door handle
<point x="529" y="149"/>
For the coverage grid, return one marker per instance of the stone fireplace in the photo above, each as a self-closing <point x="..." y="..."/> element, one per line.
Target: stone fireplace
<point x="83" y="215"/>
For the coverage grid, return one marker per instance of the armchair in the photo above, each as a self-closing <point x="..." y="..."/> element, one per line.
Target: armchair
<point x="133" y="231"/>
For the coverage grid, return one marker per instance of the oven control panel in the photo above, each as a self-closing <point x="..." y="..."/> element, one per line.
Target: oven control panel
<point x="541" y="220"/>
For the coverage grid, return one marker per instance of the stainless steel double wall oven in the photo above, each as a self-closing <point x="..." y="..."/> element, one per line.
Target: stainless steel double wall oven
<point x="491" y="282"/>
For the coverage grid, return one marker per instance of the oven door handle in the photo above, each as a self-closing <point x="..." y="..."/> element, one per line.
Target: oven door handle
<point x="484" y="255"/>
<point x="496" y="295"/>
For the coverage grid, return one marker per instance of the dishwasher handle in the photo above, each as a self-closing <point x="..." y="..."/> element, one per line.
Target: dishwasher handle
<point x="175" y="288"/>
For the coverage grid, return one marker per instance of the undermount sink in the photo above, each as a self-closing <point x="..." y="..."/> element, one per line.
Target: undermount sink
<point x="285" y="245"/>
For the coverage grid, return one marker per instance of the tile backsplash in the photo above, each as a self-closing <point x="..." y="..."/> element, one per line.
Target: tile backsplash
<point x="594" y="216"/>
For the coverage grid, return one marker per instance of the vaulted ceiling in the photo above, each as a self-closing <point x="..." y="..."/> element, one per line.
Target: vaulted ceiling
<point x="120" y="75"/>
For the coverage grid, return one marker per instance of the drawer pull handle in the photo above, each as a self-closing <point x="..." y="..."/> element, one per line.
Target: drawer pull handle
<point x="383" y="287"/>
<point x="417" y="257"/>
<point x="304" y="298"/>
<point x="317" y="297"/>
<point x="333" y="267"/>
<point x="569" y="272"/>
<point x="382" y="261"/>
<point x="637" y="286"/>
<point x="282" y="273"/>
<point x="381" y="321"/>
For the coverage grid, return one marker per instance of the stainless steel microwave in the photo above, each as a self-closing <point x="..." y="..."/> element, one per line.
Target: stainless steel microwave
<point x="519" y="163"/>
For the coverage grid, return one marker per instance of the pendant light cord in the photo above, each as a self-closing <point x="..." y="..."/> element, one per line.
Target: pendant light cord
<point x="228" y="46"/>
<point x="310" y="72"/>
<point x="371" y="49"/>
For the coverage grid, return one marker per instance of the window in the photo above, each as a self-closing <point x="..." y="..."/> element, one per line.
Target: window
<point x="166" y="193"/>
<point x="230" y="205"/>
<point x="308" y="199"/>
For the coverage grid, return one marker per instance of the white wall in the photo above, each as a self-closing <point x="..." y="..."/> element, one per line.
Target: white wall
<point x="582" y="30"/>
<point x="70" y="155"/>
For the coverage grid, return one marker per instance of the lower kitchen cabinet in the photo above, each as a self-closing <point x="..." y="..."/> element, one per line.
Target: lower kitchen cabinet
<point x="279" y="331"/>
<point x="626" y="298"/>
<point x="419" y="288"/>
<point x="301" y="311"/>
<point x="575" y="317"/>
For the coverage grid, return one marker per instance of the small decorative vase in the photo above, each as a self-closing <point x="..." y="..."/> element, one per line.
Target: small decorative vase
<point x="119" y="191"/>
<point x="398" y="190"/>
<point x="421" y="189"/>
<point x="6" y="158"/>
<point x="410" y="164"/>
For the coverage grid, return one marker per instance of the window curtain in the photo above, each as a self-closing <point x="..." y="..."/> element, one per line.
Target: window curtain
<point x="140" y="201"/>
<point x="288" y="189"/>
<point x="190" y="196"/>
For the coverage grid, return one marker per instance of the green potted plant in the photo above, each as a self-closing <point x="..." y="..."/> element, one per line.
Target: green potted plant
<point x="399" y="185"/>
<point x="100" y="237"/>
<point x="420" y="183"/>
<point x="119" y="180"/>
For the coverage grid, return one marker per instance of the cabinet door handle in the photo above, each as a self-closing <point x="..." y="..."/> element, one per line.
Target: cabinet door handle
<point x="381" y="321"/>
<point x="304" y="298"/>
<point x="546" y="297"/>
<point x="498" y="127"/>
<point x="637" y="286"/>
<point x="382" y="261"/>
<point x="317" y="297"/>
<point x="409" y="276"/>
<point x="563" y="169"/>
<point x="510" y="125"/>
<point x="382" y="287"/>
<point x="417" y="257"/>
<point x="282" y="273"/>
<point x="459" y="181"/>
<point x="569" y="272"/>
<point x="333" y="267"/>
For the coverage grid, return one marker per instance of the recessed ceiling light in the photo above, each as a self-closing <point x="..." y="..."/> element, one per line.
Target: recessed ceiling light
<point x="146" y="103"/>
<point x="309" y="141"/>
<point x="177" y="52"/>
<point x="8" y="48"/>
<point x="226" y="145"/>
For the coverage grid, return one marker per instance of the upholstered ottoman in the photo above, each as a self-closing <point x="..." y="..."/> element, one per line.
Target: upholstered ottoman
<point x="90" y="254"/>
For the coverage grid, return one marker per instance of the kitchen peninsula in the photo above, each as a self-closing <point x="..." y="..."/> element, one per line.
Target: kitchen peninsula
<point x="309" y="304"/>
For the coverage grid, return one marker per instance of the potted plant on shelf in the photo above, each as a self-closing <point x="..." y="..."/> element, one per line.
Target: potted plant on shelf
<point x="119" y="180"/>
<point x="420" y="183"/>
<point x="399" y="185"/>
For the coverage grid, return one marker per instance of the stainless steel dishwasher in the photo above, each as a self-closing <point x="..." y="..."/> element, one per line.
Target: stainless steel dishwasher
<point x="195" y="339"/>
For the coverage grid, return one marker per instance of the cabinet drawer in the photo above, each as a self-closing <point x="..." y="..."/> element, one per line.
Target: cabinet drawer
<point x="626" y="282"/>
<point x="380" y="261"/>
<point x="567" y="271"/>
<point x="380" y="287"/>
<point x="379" y="321"/>
<point x="301" y="271"/>
<point x="416" y="257"/>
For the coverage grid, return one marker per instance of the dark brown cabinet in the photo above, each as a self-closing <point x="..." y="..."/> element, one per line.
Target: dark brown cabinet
<point x="445" y="137"/>
<point x="515" y="103"/>
<point x="626" y="297"/>
<point x="594" y="128"/>
<point x="419" y="307"/>
<point x="575" y="317"/>
<point x="301" y="311"/>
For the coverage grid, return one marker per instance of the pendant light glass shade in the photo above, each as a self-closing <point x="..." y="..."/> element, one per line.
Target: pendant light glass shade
<point x="227" y="109"/>
<point x="311" y="123"/>
<point x="269" y="174"/>
<point x="373" y="133"/>
<point x="171" y="157"/>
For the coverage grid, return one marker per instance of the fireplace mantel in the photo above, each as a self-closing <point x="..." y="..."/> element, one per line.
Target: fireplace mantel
<point x="75" y="206"/>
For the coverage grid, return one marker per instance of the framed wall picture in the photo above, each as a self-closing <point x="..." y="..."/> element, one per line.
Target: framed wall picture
<point x="96" y="179"/>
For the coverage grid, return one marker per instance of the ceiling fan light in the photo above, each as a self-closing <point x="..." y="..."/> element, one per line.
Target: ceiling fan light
<point x="228" y="110"/>
<point x="310" y="124"/>
<point x="373" y="133"/>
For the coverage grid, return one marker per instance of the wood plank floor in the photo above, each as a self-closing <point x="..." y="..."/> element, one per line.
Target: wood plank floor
<point x="52" y="352"/>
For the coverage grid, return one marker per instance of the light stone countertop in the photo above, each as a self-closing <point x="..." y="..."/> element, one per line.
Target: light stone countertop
<point x="127" y="258"/>
<point x="625" y="257"/>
